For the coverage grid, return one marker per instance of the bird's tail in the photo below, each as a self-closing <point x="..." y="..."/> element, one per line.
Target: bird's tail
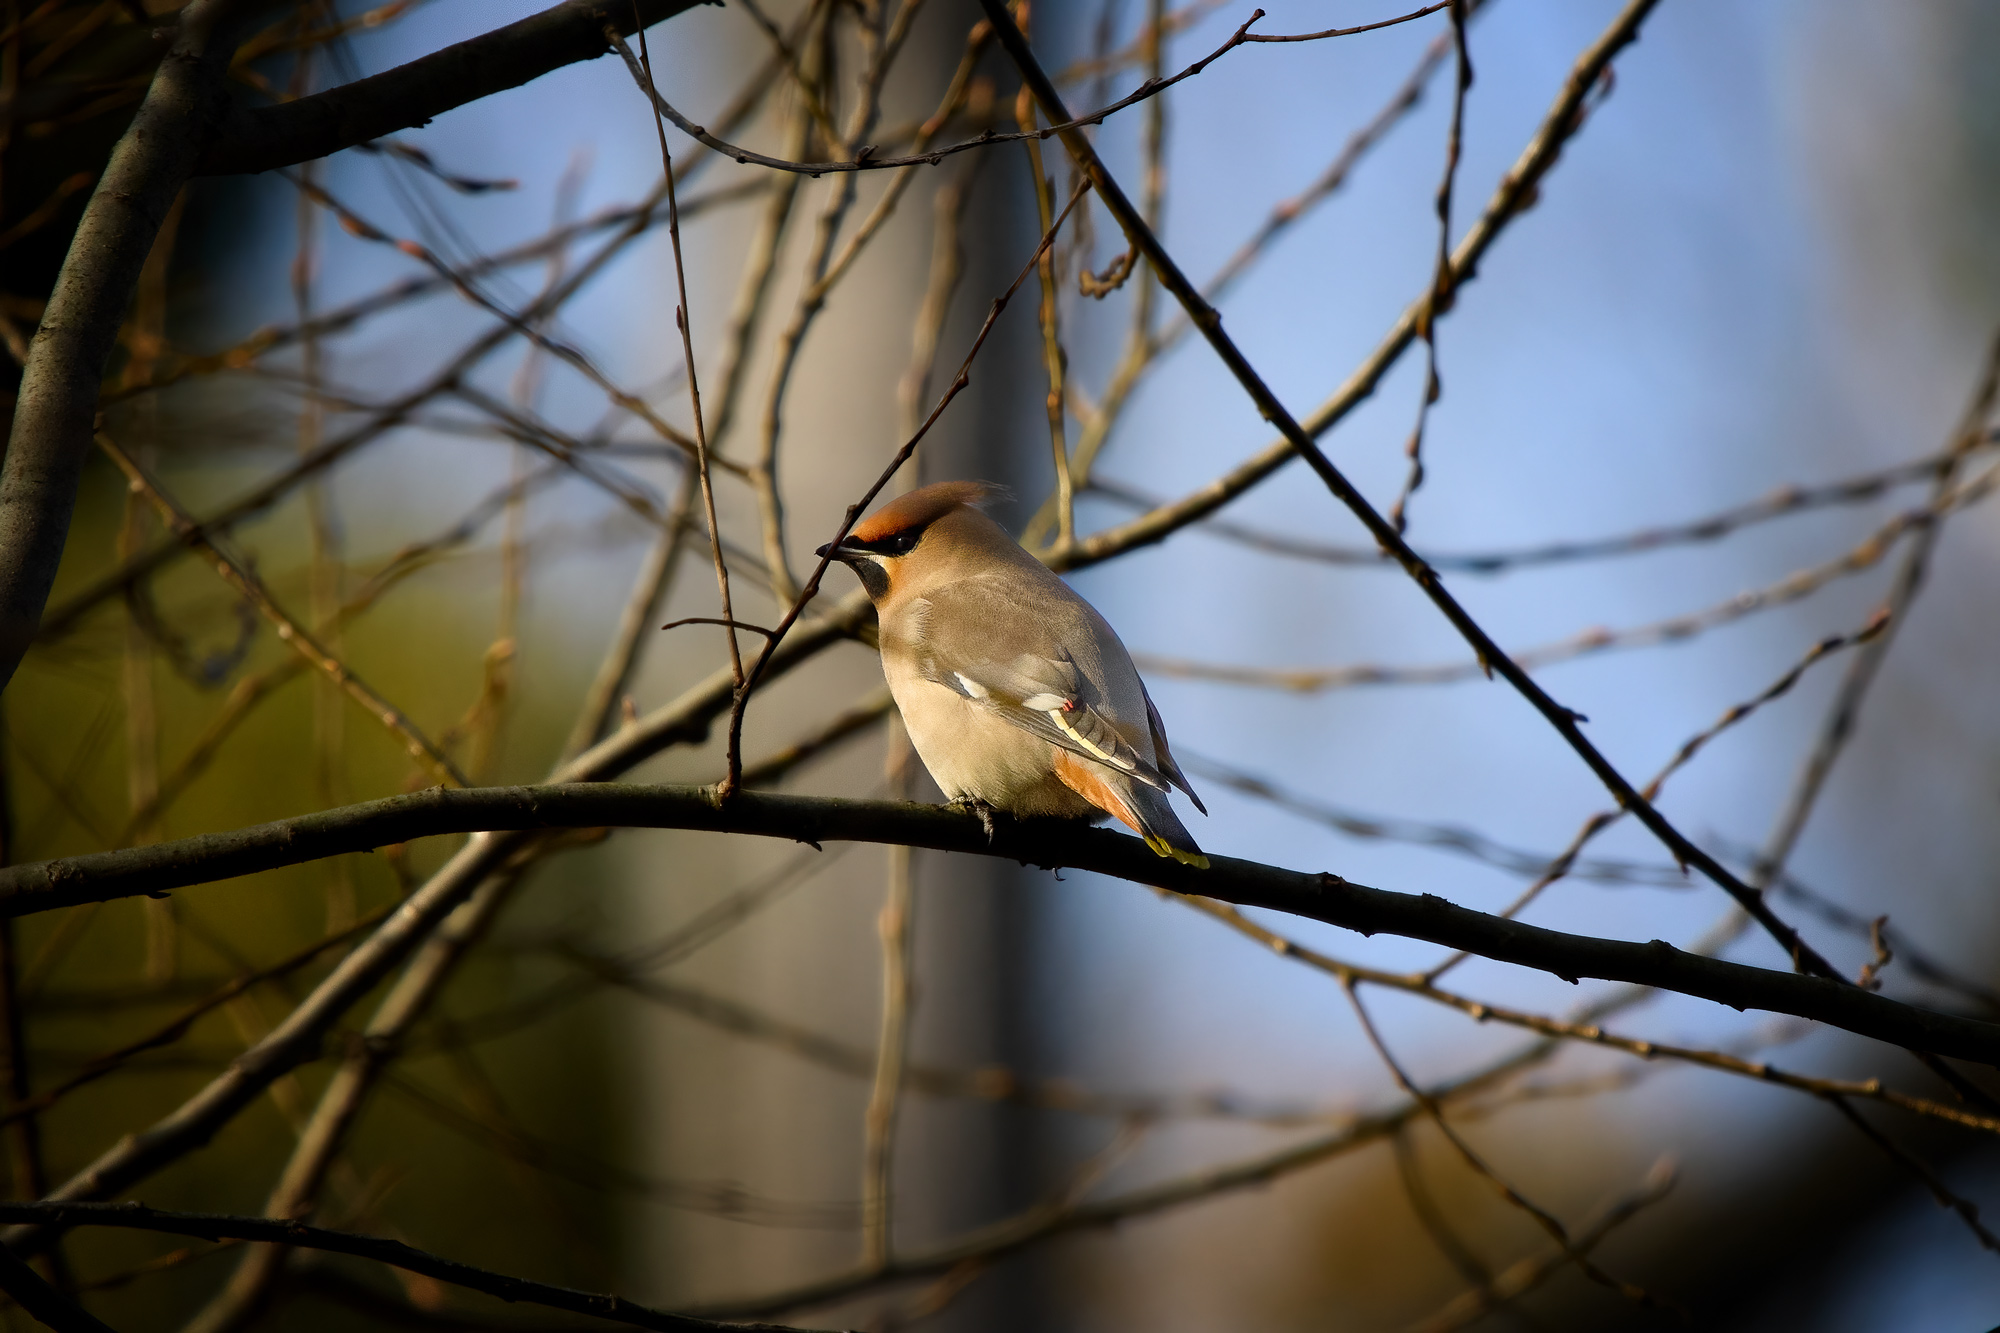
<point x="1138" y="807"/>
<point x="1161" y="827"/>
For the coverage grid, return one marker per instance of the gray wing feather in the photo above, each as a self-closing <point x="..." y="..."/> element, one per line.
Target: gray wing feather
<point x="1041" y="691"/>
<point x="1168" y="766"/>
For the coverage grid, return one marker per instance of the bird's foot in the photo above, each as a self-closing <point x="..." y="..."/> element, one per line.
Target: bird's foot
<point x="973" y="805"/>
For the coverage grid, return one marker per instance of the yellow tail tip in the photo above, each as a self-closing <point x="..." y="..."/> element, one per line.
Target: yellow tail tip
<point x="1161" y="847"/>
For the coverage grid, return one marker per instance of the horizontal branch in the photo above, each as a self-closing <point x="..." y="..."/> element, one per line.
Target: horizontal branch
<point x="410" y="95"/>
<point x="157" y="868"/>
<point x="217" y="1226"/>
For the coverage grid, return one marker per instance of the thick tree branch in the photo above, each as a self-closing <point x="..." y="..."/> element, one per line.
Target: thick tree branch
<point x="184" y="117"/>
<point x="1323" y="897"/>
<point x="410" y="95"/>
<point x="215" y="1226"/>
<point x="180" y="115"/>
<point x="298" y="1038"/>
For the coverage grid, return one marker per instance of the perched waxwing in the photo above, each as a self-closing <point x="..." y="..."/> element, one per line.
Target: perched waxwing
<point x="1016" y="693"/>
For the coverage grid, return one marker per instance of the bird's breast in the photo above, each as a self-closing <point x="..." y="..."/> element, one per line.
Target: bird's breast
<point x="973" y="754"/>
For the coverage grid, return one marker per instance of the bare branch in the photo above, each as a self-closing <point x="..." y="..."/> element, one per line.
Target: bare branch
<point x="55" y="411"/>
<point x="216" y="1226"/>
<point x="1785" y="500"/>
<point x="863" y="160"/>
<point x="1525" y="1276"/>
<point x="33" y="1293"/>
<point x="420" y="747"/>
<point x="411" y="95"/>
<point x="500" y="811"/>
<point x="1583" y="76"/>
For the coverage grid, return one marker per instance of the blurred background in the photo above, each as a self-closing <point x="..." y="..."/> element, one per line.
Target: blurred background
<point x="1764" y="262"/>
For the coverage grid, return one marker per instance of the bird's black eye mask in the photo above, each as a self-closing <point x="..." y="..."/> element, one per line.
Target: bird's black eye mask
<point x="894" y="543"/>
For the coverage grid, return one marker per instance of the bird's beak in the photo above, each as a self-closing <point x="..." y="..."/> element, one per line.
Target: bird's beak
<point x="846" y="555"/>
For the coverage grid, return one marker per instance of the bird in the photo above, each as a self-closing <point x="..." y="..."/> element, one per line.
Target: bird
<point x="1016" y="693"/>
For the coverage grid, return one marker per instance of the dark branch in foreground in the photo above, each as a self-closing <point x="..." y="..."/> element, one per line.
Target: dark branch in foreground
<point x="154" y="869"/>
<point x="410" y="95"/>
<point x="48" y="1306"/>
<point x="216" y="1226"/>
<point x="60" y="377"/>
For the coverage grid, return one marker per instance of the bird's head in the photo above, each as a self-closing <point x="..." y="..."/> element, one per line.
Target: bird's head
<point x="902" y="536"/>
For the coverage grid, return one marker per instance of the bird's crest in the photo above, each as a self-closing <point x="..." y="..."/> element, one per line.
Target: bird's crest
<point x="923" y="507"/>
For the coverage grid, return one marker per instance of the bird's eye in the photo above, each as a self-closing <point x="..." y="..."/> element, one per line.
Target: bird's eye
<point x="895" y="543"/>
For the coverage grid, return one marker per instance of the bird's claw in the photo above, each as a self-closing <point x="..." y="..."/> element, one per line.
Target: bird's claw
<point x="974" y="805"/>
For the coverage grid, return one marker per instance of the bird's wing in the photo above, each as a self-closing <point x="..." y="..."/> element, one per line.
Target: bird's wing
<point x="1040" y="690"/>
<point x="1165" y="756"/>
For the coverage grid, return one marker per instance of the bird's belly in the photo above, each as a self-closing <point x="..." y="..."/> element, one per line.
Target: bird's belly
<point x="973" y="754"/>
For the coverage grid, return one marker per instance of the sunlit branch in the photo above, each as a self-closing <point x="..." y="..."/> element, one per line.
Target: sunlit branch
<point x="509" y="813"/>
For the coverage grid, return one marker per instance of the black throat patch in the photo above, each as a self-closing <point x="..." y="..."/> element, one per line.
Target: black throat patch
<point x="873" y="577"/>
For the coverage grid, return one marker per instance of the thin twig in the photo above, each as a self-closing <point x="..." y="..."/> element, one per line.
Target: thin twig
<point x="1047" y="1221"/>
<point x="1054" y="360"/>
<point x="1560" y="866"/>
<point x="65" y="616"/>
<point x="863" y="161"/>
<point x="217" y="1226"/>
<point x="1947" y="1198"/>
<point x="1780" y="503"/>
<point x="1521" y="1278"/>
<point x="419" y="746"/>
<point x="682" y="322"/>
<point x="1442" y="292"/>
<point x="902" y="456"/>
<point x="1143" y="347"/>
<point x="1796" y="586"/>
<point x="1973" y="433"/>
<point x="1546" y="1220"/>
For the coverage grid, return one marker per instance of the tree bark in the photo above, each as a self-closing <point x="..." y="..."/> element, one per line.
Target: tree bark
<point x="184" y="128"/>
<point x="264" y="138"/>
<point x="101" y="876"/>
<point x="181" y="114"/>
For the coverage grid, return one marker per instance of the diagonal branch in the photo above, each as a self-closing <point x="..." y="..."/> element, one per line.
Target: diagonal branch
<point x="410" y="95"/>
<point x="1623" y="30"/>
<point x="419" y="746"/>
<point x="44" y="1303"/>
